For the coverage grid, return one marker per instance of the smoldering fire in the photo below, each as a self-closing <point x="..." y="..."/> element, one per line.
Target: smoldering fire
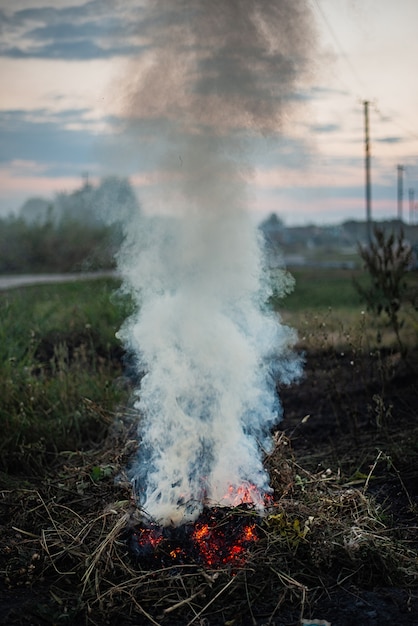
<point x="217" y="539"/>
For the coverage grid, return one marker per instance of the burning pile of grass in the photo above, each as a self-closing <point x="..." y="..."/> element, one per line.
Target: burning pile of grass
<point x="65" y="542"/>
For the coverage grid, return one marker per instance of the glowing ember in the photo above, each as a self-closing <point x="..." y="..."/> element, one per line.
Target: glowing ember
<point x="151" y="537"/>
<point x="220" y="537"/>
<point x="244" y="494"/>
<point x="217" y="547"/>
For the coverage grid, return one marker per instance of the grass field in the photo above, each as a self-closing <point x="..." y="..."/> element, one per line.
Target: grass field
<point x="318" y="289"/>
<point x="343" y="470"/>
<point x="59" y="357"/>
<point x="59" y="354"/>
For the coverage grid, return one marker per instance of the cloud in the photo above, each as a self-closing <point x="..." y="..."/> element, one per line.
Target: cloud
<point x="71" y="50"/>
<point x="325" y="128"/>
<point x="18" y="184"/>
<point x="13" y="119"/>
<point x="59" y="84"/>
<point x="41" y="152"/>
<point x="319" y="92"/>
<point x="94" y="30"/>
<point x="390" y="140"/>
<point x="19" y="5"/>
<point x="42" y="137"/>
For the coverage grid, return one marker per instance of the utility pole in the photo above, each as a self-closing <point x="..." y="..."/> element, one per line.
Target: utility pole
<point x="411" y="193"/>
<point x="367" y="169"/>
<point x="401" y="170"/>
<point x="86" y="179"/>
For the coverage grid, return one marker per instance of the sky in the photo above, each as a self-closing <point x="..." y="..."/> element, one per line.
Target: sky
<point x="70" y="68"/>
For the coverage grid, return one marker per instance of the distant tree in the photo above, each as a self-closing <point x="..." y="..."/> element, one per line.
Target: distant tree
<point x="272" y="223"/>
<point x="78" y="230"/>
<point x="111" y="201"/>
<point x="273" y="232"/>
<point x="35" y="210"/>
<point x="115" y="200"/>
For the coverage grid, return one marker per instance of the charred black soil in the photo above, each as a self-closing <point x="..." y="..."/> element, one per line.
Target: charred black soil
<point x="356" y="416"/>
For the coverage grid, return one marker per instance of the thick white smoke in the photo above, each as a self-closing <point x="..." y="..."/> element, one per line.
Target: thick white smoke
<point x="211" y="350"/>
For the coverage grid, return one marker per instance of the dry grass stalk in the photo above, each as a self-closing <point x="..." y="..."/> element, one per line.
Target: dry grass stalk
<point x="314" y="526"/>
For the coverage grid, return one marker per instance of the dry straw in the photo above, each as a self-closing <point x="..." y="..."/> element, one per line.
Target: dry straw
<point x="66" y="539"/>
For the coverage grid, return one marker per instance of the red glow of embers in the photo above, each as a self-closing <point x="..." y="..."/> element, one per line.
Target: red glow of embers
<point x="218" y="546"/>
<point x="220" y="537"/>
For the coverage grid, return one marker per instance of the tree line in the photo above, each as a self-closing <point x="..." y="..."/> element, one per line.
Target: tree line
<point x="77" y="231"/>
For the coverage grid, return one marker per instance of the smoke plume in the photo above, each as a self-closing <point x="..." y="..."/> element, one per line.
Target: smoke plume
<point x="215" y="74"/>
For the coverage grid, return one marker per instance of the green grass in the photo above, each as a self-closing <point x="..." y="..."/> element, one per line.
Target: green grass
<point x="326" y="307"/>
<point x="59" y="362"/>
<point x="320" y="289"/>
<point x="32" y="312"/>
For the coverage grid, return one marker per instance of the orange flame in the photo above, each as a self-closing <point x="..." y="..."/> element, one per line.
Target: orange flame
<point x="244" y="494"/>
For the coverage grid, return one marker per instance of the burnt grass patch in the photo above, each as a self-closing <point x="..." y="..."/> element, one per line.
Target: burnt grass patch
<point x="338" y="542"/>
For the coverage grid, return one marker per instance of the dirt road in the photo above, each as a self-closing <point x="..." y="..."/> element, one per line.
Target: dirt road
<point x="24" y="280"/>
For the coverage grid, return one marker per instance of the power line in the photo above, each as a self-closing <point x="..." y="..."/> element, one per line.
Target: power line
<point x="406" y="130"/>
<point x="413" y="135"/>
<point x="401" y="169"/>
<point x="340" y="48"/>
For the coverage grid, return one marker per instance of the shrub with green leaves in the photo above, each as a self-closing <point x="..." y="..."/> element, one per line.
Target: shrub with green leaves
<point x="387" y="260"/>
<point x="66" y="246"/>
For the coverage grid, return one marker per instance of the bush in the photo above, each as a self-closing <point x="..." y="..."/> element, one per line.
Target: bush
<point x="387" y="261"/>
<point x="67" y="246"/>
